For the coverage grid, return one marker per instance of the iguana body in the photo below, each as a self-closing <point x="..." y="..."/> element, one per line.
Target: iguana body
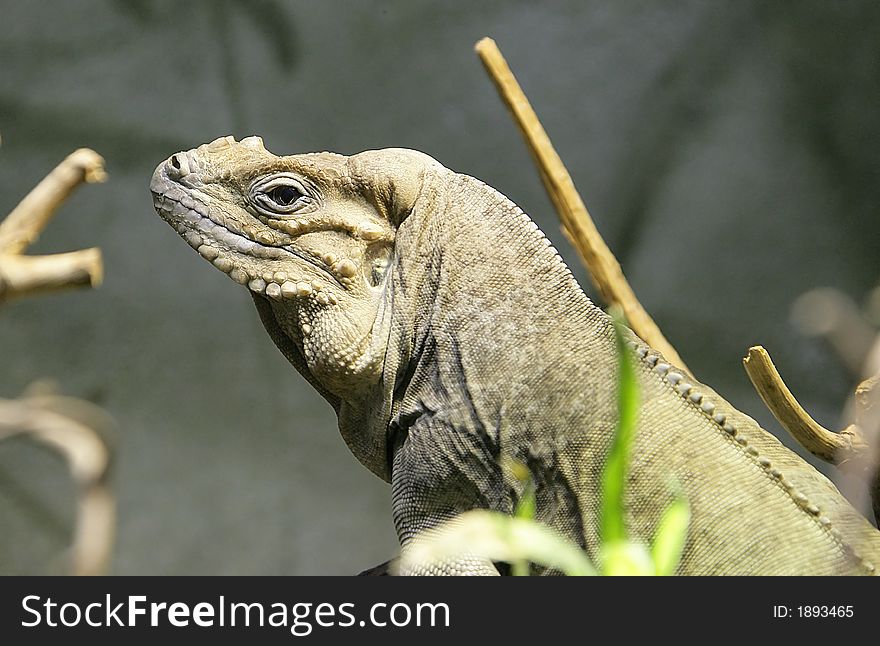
<point x="447" y="334"/>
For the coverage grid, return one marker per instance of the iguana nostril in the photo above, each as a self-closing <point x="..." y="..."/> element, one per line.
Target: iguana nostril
<point x="180" y="165"/>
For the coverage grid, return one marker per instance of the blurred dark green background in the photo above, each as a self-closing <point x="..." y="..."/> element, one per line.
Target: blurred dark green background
<point x="728" y="152"/>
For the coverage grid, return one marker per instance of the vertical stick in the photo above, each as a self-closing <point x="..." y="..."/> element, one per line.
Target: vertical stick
<point x="576" y="221"/>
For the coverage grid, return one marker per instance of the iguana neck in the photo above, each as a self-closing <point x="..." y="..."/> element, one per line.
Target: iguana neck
<point x="454" y="301"/>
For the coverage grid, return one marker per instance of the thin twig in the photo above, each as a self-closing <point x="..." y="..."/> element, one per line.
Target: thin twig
<point x="576" y="221"/>
<point x="88" y="456"/>
<point x="20" y="275"/>
<point x="832" y="447"/>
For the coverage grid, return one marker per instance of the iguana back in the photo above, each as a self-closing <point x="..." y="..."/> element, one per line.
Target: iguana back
<point x="449" y="335"/>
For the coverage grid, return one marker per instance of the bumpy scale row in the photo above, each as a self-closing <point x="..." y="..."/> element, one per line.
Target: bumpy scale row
<point x="688" y="392"/>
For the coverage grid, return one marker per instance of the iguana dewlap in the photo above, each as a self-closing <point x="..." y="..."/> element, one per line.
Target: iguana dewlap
<point x="447" y="334"/>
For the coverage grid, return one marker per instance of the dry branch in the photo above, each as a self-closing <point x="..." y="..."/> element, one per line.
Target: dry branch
<point x="27" y="275"/>
<point x="832" y="447"/>
<point x="88" y="456"/>
<point x="854" y="449"/>
<point x="70" y="427"/>
<point x="577" y="224"/>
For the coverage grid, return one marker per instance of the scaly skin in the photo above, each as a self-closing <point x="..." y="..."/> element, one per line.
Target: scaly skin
<point x="448" y="334"/>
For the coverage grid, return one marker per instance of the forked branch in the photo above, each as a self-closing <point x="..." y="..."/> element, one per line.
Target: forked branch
<point x="30" y="274"/>
<point x="70" y="427"/>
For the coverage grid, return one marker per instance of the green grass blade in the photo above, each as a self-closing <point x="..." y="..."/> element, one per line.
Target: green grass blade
<point x="527" y="507"/>
<point x="612" y="525"/>
<point x="626" y="559"/>
<point x="670" y="537"/>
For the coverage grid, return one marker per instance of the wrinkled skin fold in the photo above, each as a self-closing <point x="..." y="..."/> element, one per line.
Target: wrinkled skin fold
<point x="448" y="335"/>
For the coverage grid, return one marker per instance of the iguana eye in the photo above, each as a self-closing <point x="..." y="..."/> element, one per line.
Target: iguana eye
<point x="284" y="195"/>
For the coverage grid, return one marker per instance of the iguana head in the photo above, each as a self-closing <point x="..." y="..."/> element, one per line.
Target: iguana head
<point x="310" y="235"/>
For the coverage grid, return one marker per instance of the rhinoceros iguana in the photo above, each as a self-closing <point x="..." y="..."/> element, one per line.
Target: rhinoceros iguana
<point x="449" y="335"/>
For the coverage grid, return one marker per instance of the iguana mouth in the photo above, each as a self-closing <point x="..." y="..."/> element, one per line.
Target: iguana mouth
<point x="220" y="245"/>
<point x="189" y="216"/>
<point x="217" y="243"/>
